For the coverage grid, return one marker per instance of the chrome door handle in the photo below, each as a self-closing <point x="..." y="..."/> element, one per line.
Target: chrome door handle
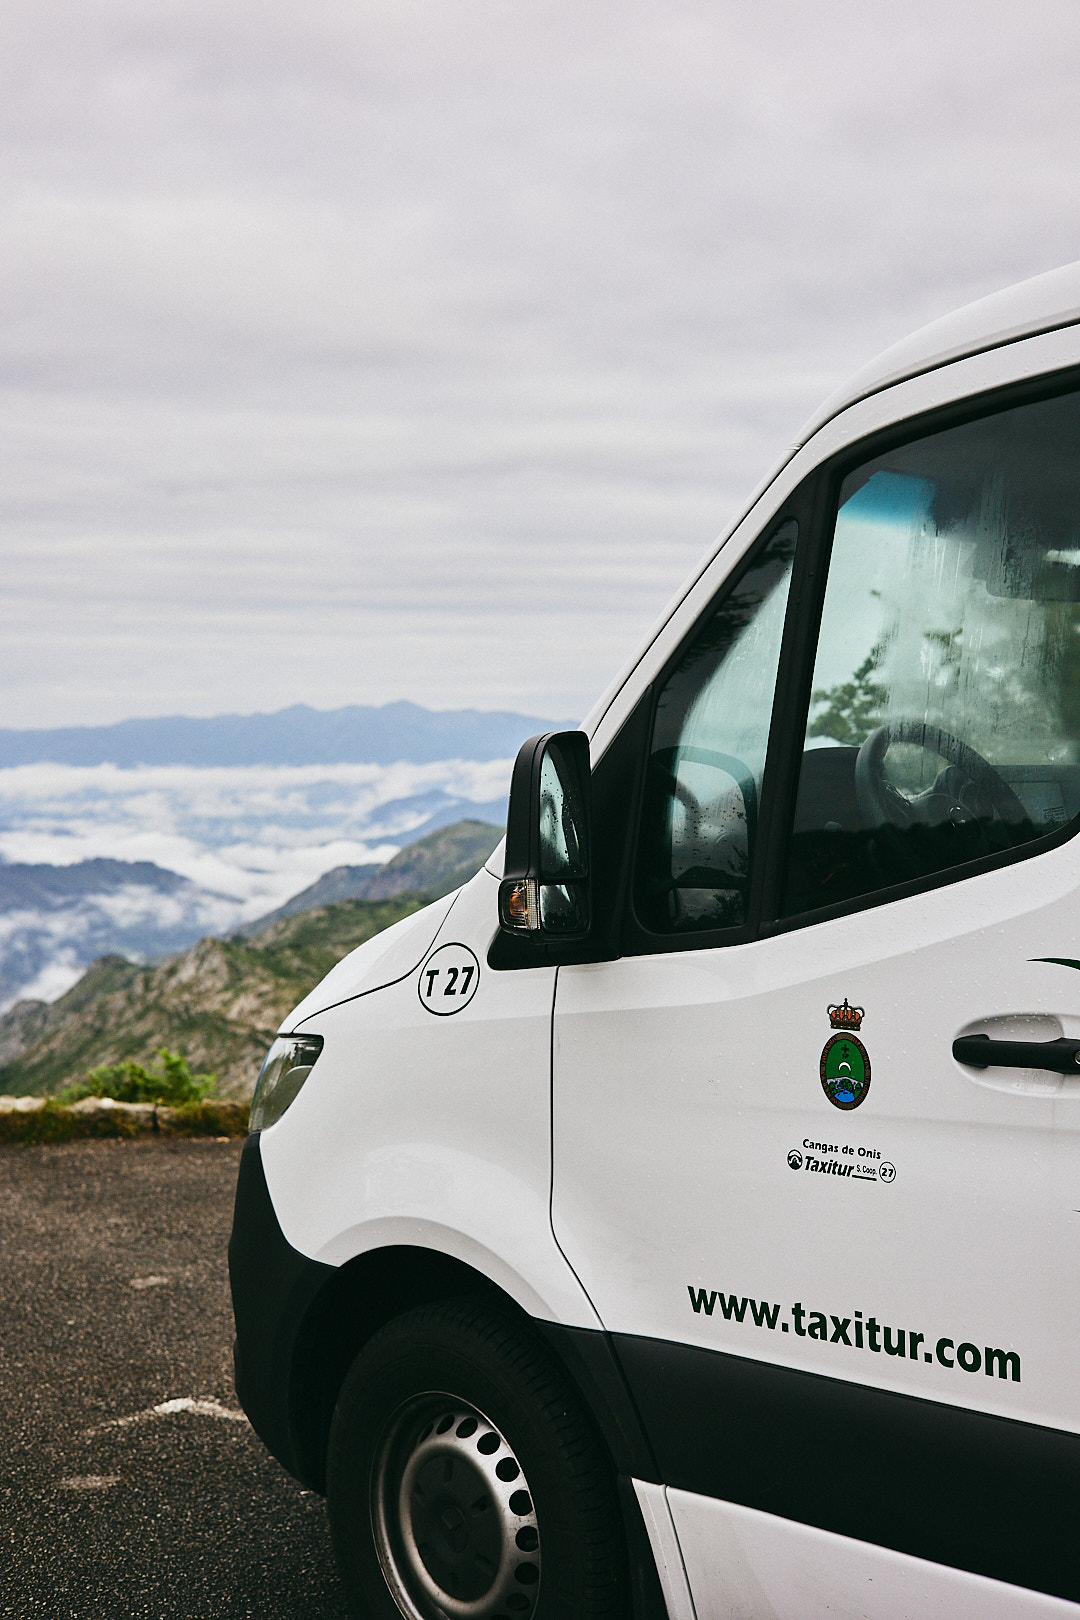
<point x="980" y="1052"/>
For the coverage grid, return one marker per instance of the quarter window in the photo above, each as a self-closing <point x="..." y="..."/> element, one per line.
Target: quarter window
<point x="707" y="755"/>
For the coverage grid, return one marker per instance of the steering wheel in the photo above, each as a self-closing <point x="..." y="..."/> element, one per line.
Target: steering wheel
<point x="967" y="794"/>
<point x="665" y="763"/>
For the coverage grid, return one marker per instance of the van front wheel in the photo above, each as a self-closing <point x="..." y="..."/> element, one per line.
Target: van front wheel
<point x="465" y="1479"/>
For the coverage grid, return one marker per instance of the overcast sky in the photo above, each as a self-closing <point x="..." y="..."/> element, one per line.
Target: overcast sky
<point x="352" y="351"/>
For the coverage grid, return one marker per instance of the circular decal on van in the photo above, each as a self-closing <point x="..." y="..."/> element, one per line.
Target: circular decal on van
<point x="448" y="980"/>
<point x="845" y="1071"/>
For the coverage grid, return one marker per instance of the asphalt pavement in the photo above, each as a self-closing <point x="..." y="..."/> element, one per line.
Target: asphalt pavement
<point x="131" y="1484"/>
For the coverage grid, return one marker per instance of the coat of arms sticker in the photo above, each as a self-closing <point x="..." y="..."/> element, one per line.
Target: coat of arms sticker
<point x="845" y="1062"/>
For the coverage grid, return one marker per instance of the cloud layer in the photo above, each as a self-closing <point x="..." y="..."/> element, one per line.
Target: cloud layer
<point x="248" y="838"/>
<point x="413" y="350"/>
<point x="254" y="835"/>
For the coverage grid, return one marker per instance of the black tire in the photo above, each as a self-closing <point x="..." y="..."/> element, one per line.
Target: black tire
<point x="465" y="1480"/>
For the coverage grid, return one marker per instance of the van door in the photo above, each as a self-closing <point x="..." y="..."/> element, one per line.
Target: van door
<point x="816" y="1132"/>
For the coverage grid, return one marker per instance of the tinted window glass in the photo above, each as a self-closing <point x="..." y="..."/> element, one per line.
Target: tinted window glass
<point x="708" y="754"/>
<point x="945" y="714"/>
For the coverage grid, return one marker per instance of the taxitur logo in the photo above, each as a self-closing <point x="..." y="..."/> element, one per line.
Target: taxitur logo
<point x="843" y="1160"/>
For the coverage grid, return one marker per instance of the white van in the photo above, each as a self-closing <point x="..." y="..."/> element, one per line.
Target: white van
<point x="682" y="1219"/>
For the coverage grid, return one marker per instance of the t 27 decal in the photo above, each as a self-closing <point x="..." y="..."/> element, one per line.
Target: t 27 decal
<point x="448" y="980"/>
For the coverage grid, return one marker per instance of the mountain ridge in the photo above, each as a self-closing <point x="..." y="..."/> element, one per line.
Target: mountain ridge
<point x="357" y="734"/>
<point x="41" y="883"/>
<point x="433" y="865"/>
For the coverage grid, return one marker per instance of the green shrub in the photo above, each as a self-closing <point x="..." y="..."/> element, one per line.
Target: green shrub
<point x="219" y="1116"/>
<point x="172" y="1083"/>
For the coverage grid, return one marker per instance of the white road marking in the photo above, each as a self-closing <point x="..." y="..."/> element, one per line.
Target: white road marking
<point x="182" y="1403"/>
<point x="89" y="1482"/>
<point x="149" y="1282"/>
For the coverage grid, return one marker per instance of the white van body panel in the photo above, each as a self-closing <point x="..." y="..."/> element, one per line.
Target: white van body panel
<point x="433" y="1131"/>
<point x="389" y="956"/>
<point x="667" y="1554"/>
<point x="525" y="1134"/>
<point x="746" y="1565"/>
<point x="697" y="1191"/>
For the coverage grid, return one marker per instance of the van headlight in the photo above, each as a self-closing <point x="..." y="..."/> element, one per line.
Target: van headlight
<point x="285" y="1068"/>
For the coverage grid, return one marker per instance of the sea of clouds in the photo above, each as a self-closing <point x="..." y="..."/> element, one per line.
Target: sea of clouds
<point x="247" y="837"/>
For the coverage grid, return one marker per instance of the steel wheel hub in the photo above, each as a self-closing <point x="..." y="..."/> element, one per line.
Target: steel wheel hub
<point x="453" y="1516"/>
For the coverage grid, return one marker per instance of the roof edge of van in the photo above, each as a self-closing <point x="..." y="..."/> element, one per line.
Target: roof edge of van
<point x="1045" y="303"/>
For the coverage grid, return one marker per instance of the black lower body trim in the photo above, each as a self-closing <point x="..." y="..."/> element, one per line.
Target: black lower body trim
<point x="985" y="1494"/>
<point x="273" y="1288"/>
<point x="588" y="1358"/>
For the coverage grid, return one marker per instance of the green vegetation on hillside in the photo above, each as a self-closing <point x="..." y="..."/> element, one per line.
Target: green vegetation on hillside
<point x="171" y="1084"/>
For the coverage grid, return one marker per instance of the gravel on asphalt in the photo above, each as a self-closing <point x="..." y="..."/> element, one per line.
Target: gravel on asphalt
<point x="131" y="1484"/>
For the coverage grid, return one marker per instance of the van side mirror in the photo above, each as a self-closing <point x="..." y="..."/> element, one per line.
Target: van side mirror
<point x="546" y="889"/>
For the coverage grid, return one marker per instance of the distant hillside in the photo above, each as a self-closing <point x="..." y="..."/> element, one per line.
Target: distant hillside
<point x="43" y="886"/>
<point x="59" y="919"/>
<point x="433" y="865"/>
<point x="222" y="1001"/>
<point x="63" y="917"/>
<point x="356" y="735"/>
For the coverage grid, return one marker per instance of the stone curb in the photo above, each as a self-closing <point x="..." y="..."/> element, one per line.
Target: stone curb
<point x="42" y="1119"/>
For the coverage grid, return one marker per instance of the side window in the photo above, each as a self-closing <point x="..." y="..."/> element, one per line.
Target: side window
<point x="707" y="754"/>
<point x="944" y="722"/>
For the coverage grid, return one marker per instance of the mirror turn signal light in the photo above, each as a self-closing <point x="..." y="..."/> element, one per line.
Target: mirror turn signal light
<point x="519" y="906"/>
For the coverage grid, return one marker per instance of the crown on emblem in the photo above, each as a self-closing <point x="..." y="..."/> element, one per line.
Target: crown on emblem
<point x="843" y="1016"/>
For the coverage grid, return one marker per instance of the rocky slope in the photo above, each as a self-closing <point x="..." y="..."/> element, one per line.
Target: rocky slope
<point x="221" y="1002"/>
